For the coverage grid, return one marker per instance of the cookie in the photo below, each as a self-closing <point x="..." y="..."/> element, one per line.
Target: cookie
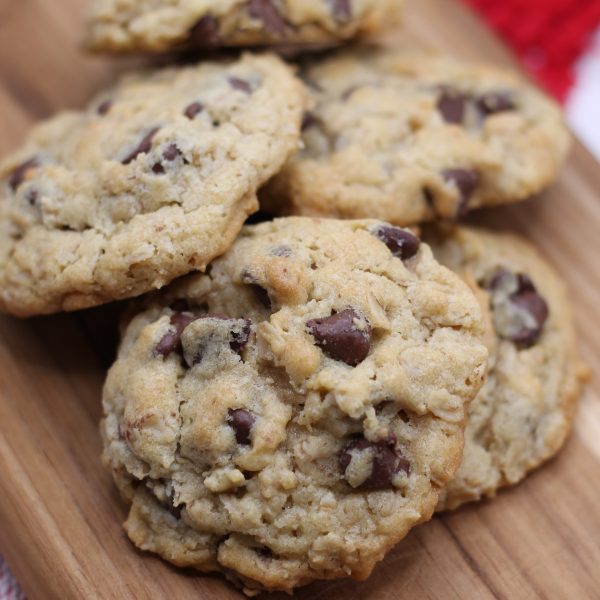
<point x="524" y="412"/>
<point x="153" y="180"/>
<point x="160" y="26"/>
<point x="292" y="413"/>
<point x="410" y="137"/>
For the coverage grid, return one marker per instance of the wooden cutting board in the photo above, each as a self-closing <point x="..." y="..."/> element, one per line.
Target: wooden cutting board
<point x="59" y="514"/>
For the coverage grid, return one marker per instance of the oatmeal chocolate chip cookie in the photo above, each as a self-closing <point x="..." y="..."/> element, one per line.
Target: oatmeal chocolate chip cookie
<point x="291" y="414"/>
<point x="153" y="180"/>
<point x="409" y="137"/>
<point x="163" y="25"/>
<point x="523" y="414"/>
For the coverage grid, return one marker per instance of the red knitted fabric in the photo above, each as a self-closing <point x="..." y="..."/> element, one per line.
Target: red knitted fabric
<point x="548" y="35"/>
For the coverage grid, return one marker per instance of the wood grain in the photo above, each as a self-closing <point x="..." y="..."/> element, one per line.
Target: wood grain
<point x="59" y="514"/>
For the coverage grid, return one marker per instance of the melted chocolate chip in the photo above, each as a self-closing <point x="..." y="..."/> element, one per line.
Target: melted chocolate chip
<point x="205" y="32"/>
<point x="171" y="341"/>
<point x="240" y="84"/>
<point x="401" y="243"/>
<point x="143" y="147"/>
<point x="466" y="180"/>
<point x="387" y="461"/>
<point x="239" y="339"/>
<point x="495" y="102"/>
<point x="339" y="337"/>
<point x="451" y="104"/>
<point x="193" y="109"/>
<point x="241" y="421"/>
<point x="104" y="107"/>
<point x="265" y="11"/>
<point x="17" y="177"/>
<point x="341" y="9"/>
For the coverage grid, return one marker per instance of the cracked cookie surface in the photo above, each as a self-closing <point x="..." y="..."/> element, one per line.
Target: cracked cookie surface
<point x="523" y="414"/>
<point x="163" y="25"/>
<point x="291" y="414"/>
<point x="410" y="137"/>
<point x="153" y="180"/>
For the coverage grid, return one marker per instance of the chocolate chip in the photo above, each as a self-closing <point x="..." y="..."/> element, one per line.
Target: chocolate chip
<point x="451" y="104"/>
<point x="240" y="84"/>
<point x="341" y="9"/>
<point x="339" y="337"/>
<point x="241" y="421"/>
<point x="239" y="339"/>
<point x="525" y="283"/>
<point x="171" y="152"/>
<point x="205" y="32"/>
<point x="269" y="15"/>
<point x="520" y="312"/>
<point x="495" y="102"/>
<point x="529" y="300"/>
<point x="401" y="243"/>
<point x="533" y="304"/>
<point x="104" y="107"/>
<point x="387" y="461"/>
<point x="18" y="175"/>
<point x="171" y="341"/>
<point x="143" y="147"/>
<point x="466" y="180"/>
<point x="193" y="109"/>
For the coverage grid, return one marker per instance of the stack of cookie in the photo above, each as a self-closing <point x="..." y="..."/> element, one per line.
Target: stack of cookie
<point x="291" y="397"/>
